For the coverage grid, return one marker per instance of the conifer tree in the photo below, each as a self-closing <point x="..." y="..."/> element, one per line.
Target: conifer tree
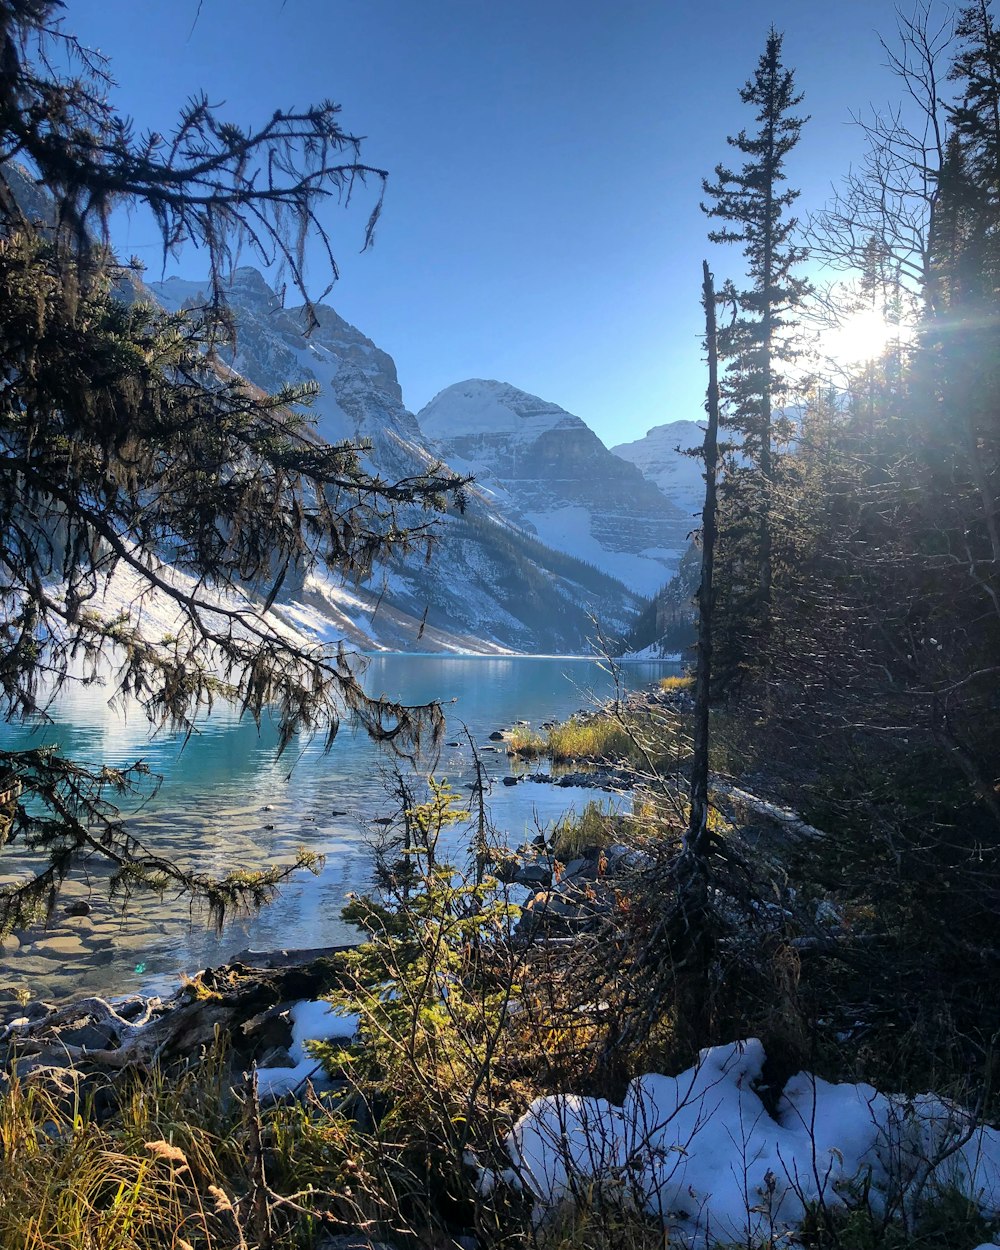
<point x="752" y="203"/>
<point x="959" y="334"/>
<point x="976" y="67"/>
<point x="890" y="613"/>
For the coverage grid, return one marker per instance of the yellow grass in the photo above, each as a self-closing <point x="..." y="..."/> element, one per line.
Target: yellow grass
<point x="597" y="739"/>
<point x="525" y="742"/>
<point x="573" y="834"/>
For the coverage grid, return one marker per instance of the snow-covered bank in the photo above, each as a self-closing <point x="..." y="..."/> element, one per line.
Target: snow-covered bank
<point x="701" y="1152"/>
<point x="652" y="652"/>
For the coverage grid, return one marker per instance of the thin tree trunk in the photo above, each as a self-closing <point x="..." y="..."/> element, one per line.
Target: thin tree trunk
<point x="767" y="400"/>
<point x="694" y="937"/>
<point x="696" y="842"/>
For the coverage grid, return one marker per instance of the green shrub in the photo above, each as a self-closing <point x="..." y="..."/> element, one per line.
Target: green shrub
<point x="431" y="985"/>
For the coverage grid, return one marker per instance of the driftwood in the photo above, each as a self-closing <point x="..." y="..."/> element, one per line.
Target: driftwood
<point x="246" y="1002"/>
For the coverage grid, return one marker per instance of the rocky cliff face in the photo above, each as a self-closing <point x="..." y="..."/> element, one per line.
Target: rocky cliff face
<point x="557" y="480"/>
<point x="489" y="586"/>
<point x="660" y="457"/>
<point x="360" y="397"/>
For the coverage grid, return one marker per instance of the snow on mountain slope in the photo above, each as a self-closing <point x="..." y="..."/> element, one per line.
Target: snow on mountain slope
<point x="660" y="457"/>
<point x="556" y="478"/>
<point x="360" y="396"/>
<point x="488" y="586"/>
<point x="473" y="411"/>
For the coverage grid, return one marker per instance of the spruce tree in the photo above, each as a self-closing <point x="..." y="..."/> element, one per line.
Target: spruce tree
<point x="976" y="67"/>
<point x="959" y="335"/>
<point x="752" y="204"/>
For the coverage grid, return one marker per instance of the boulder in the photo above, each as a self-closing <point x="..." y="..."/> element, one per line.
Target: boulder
<point x="533" y="874"/>
<point x="581" y="867"/>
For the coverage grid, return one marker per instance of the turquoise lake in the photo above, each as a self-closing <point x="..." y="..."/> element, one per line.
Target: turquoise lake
<point x="227" y="800"/>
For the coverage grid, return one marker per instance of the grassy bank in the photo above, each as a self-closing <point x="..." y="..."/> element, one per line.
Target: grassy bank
<point x="638" y="734"/>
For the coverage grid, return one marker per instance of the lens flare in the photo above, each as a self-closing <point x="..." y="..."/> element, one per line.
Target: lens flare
<point x="861" y="337"/>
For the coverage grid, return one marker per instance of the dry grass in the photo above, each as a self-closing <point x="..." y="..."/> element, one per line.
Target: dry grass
<point x="573" y="834"/>
<point x="599" y="738"/>
<point x="66" y="1183"/>
<point x="171" y="1163"/>
<point x="601" y="1221"/>
<point x="673" y="684"/>
<point x="526" y="743"/>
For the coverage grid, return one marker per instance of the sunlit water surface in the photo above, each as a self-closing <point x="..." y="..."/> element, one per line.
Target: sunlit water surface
<point x="226" y="800"/>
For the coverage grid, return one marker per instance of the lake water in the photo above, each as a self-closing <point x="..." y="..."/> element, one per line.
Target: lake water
<point x="226" y="800"/>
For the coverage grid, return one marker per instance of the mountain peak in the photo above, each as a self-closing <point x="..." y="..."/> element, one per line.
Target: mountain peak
<point x="484" y="406"/>
<point x="248" y="288"/>
<point x="556" y="478"/>
<point x="660" y="456"/>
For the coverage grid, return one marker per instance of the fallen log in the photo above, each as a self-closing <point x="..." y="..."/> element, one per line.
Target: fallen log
<point x="237" y="999"/>
<point x="789" y="820"/>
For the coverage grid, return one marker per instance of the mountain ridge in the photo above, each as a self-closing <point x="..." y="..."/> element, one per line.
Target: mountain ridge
<point x="490" y="579"/>
<point x="557" y="480"/>
<point x="660" y="456"/>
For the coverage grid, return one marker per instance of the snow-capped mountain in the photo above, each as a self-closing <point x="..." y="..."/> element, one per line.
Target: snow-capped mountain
<point x="660" y="457"/>
<point x="551" y="474"/>
<point x="489" y="585"/>
<point x="360" y="396"/>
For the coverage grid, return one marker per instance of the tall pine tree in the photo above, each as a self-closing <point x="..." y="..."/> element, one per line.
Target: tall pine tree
<point x="752" y="202"/>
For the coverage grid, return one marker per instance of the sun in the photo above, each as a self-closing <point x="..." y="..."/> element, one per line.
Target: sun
<point x="860" y="337"/>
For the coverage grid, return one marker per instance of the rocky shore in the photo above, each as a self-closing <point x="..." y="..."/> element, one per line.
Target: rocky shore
<point x="78" y="1047"/>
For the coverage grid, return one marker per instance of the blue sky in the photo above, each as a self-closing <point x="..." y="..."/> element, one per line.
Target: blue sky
<point x="541" y="223"/>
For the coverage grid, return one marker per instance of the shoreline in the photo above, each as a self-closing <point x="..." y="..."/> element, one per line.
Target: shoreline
<point x="86" y="928"/>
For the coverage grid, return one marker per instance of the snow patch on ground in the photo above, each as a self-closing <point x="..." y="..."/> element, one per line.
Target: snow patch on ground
<point x="342" y="611"/>
<point x="130" y="595"/>
<point x="312" y="1022"/>
<point x="700" y="1151"/>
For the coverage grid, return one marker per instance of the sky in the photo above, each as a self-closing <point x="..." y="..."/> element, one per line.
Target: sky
<point x="541" y="222"/>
